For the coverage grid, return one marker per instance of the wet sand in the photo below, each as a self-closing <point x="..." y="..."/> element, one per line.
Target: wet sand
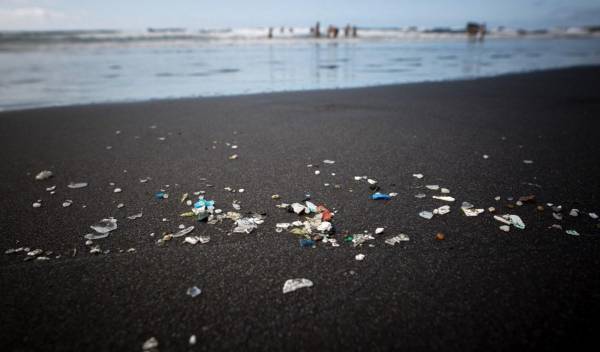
<point x="480" y="288"/>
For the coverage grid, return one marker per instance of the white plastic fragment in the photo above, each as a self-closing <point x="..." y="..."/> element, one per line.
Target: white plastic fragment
<point x="557" y="216"/>
<point x="117" y="190"/>
<point x="572" y="232"/>
<point x="516" y="221"/>
<point x="105" y="225"/>
<point x="52" y="188"/>
<point x="371" y="181"/>
<point x="327" y="161"/>
<point x="37" y="204"/>
<point x="433" y="187"/>
<point x="76" y="185"/>
<point x="67" y="203"/>
<point x="502" y="219"/>
<point x="95" y="236"/>
<point x="444" y="190"/>
<point x="418" y="176"/>
<point x="43" y="175"/>
<point x="324" y="226"/>
<point x="359" y="257"/>
<point x="505" y="228"/>
<point x="397" y="239"/>
<point x="317" y="172"/>
<point x="393" y="194"/>
<point x="444" y="198"/>
<point x="298" y="208"/>
<point x="379" y="230"/>
<point x="135" y="216"/>
<point x="442" y="210"/>
<point x="193" y="291"/>
<point x="593" y="215"/>
<point x="527" y="161"/>
<point x="574" y="212"/>
<point x="420" y="195"/>
<point x="150" y="344"/>
<point x="426" y="214"/>
<point x="192" y="340"/>
<point x="295" y="284"/>
<point x="183" y="232"/>
<point x="246" y="225"/>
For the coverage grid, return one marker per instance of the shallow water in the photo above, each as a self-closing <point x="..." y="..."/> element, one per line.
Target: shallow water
<point x="77" y="73"/>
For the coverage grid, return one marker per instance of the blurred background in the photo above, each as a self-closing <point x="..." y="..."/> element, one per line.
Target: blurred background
<point x="65" y="52"/>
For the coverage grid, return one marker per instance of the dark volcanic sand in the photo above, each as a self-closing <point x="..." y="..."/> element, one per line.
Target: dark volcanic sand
<point x="478" y="289"/>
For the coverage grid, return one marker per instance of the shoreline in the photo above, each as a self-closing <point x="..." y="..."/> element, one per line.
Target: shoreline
<point x="324" y="90"/>
<point x="479" y="288"/>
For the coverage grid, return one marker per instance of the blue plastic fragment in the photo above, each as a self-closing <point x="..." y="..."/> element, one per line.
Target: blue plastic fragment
<point x="380" y="196"/>
<point x="306" y="243"/>
<point x="159" y="195"/>
<point x="204" y="203"/>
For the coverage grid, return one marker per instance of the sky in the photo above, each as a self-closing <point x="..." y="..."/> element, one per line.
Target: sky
<point x="194" y="14"/>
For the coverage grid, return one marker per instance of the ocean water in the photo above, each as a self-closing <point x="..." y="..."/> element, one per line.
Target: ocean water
<point x="66" y="68"/>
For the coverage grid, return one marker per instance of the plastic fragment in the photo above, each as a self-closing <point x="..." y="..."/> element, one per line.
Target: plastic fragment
<point x="95" y="236"/>
<point x="574" y="212"/>
<point x="505" y="228"/>
<point x="67" y="203"/>
<point x="37" y="204"/>
<point x="359" y="257"/>
<point x="557" y="216"/>
<point x="135" y="216"/>
<point x="444" y="190"/>
<point x="117" y="190"/>
<point x="150" y="344"/>
<point x="397" y="239"/>
<point x="433" y="187"/>
<point x="420" y="195"/>
<point x="593" y="215"/>
<point x="426" y="214"/>
<point x="193" y="291"/>
<point x="418" y="176"/>
<point x="327" y="161"/>
<point x="440" y="236"/>
<point x="527" y="161"/>
<point x="105" y="225"/>
<point x="183" y="198"/>
<point x="233" y="157"/>
<point x="371" y="181"/>
<point x="379" y="230"/>
<point x="295" y="284"/>
<point x="502" y="219"/>
<point x="572" y="232"/>
<point x="442" y="210"/>
<point x="298" y="208"/>
<point x="311" y="207"/>
<point x="246" y="225"/>
<point x="192" y="340"/>
<point x="359" y="239"/>
<point x="517" y="222"/>
<point x="444" y="198"/>
<point x="76" y="185"/>
<point x="183" y="232"/>
<point x="44" y="175"/>
<point x="380" y="196"/>
<point x="325" y="226"/>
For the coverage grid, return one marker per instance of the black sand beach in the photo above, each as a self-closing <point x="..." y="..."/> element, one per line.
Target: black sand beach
<point x="479" y="289"/>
